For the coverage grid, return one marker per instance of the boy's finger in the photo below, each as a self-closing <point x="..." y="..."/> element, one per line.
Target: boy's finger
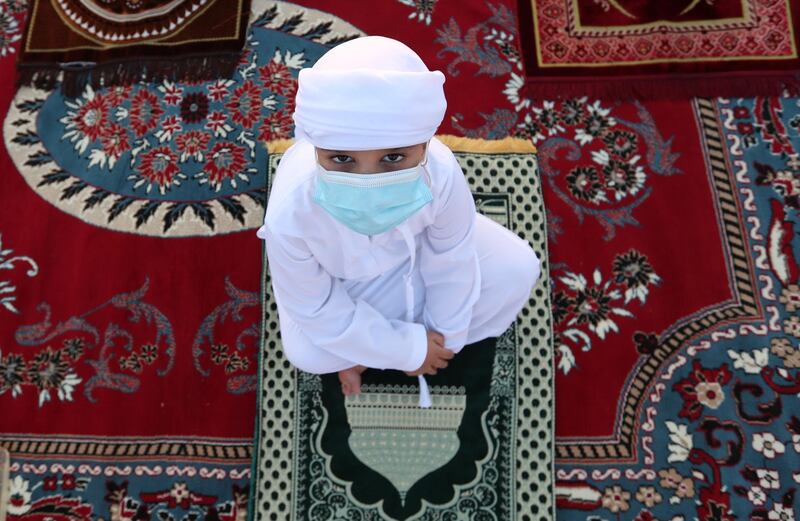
<point x="446" y="354"/>
<point x="441" y="364"/>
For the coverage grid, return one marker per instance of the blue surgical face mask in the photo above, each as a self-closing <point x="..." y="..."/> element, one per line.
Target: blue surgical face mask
<point x="372" y="203"/>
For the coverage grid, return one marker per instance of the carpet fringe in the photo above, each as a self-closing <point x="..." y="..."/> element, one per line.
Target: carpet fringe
<point x="508" y="145"/>
<point x="75" y="76"/>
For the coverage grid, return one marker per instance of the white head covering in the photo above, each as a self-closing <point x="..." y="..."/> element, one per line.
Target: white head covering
<point x="369" y="93"/>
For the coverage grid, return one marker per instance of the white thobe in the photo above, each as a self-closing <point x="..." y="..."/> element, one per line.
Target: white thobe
<point x="345" y="298"/>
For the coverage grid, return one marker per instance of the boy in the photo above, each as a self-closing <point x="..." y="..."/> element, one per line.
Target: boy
<point x="377" y="255"/>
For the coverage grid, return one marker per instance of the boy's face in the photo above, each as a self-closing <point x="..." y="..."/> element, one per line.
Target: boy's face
<point x="371" y="161"/>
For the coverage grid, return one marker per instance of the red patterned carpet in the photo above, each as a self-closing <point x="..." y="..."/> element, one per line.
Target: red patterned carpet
<point x="674" y="254"/>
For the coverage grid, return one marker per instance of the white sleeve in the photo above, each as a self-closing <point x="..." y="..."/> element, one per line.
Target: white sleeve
<point x="449" y="262"/>
<point x="319" y="304"/>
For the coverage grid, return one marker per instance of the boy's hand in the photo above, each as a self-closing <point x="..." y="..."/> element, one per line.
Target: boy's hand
<point x="351" y="380"/>
<point x="437" y="357"/>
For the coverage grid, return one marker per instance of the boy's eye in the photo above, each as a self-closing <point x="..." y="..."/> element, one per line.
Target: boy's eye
<point x="393" y="158"/>
<point x="341" y="159"/>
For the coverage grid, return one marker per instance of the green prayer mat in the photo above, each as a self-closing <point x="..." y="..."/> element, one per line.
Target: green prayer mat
<point x="483" y="451"/>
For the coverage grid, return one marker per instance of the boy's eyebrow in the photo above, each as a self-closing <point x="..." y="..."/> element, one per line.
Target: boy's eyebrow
<point x="345" y="152"/>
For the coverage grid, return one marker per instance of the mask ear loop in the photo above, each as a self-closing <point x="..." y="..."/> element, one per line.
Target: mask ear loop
<point x="320" y="169"/>
<point x="423" y="164"/>
<point x="316" y="157"/>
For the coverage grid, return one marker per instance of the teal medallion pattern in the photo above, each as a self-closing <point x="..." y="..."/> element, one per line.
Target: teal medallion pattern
<point x="482" y="452"/>
<point x="173" y="159"/>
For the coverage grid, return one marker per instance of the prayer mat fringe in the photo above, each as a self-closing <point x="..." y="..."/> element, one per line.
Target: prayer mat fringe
<point x="75" y="76"/>
<point x="454" y="143"/>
